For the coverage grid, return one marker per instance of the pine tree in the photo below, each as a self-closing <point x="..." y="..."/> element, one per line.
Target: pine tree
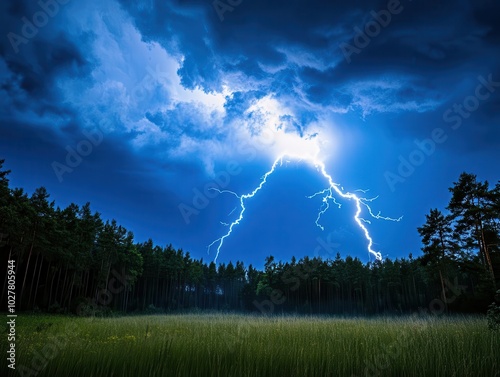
<point x="473" y="211"/>
<point x="439" y="247"/>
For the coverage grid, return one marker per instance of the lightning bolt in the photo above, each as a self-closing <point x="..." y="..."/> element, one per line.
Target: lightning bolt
<point x="328" y="196"/>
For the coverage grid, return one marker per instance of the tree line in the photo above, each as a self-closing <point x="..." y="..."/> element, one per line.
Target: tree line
<point x="71" y="260"/>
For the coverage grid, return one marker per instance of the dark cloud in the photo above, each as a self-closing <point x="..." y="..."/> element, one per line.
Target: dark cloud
<point x="32" y="69"/>
<point x="422" y="46"/>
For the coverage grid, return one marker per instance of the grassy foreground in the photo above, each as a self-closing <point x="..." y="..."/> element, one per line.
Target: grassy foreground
<point x="234" y="345"/>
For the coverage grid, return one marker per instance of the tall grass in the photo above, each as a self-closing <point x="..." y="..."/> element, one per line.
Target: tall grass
<point x="237" y="345"/>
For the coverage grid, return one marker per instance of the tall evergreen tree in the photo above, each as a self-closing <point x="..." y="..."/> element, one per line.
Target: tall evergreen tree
<point x="439" y="247"/>
<point x="473" y="211"/>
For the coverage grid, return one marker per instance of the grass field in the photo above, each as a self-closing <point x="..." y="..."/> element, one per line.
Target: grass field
<point x="236" y="345"/>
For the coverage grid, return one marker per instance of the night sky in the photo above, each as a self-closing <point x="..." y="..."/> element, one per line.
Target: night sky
<point x="140" y="107"/>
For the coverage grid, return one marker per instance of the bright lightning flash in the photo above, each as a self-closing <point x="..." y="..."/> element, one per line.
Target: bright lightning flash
<point x="328" y="195"/>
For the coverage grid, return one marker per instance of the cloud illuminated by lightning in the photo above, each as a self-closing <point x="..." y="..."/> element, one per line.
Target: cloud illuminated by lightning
<point x="333" y="188"/>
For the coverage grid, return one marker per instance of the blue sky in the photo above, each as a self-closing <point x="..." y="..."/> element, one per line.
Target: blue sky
<point x="138" y="107"/>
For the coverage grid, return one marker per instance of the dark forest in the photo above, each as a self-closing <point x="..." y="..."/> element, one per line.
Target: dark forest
<point x="70" y="260"/>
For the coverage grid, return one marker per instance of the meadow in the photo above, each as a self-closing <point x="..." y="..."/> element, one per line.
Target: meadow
<point x="244" y="345"/>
